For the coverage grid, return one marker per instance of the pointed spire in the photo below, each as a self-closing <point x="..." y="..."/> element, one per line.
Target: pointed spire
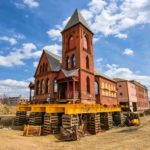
<point x="75" y="19"/>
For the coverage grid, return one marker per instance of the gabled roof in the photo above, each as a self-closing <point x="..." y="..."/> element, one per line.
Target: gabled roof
<point x="70" y="73"/>
<point x="98" y="73"/>
<point x="75" y="19"/>
<point x="138" y="84"/>
<point x="54" y="61"/>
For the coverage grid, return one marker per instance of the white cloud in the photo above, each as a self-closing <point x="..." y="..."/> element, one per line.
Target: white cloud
<point x="112" y="18"/>
<point x="128" y="52"/>
<point x="12" y="87"/>
<point x="54" y="34"/>
<point x="96" y="6"/>
<point x="16" y="57"/>
<point x="12" y="41"/>
<point x="31" y="3"/>
<point x="27" y="51"/>
<point x="56" y="49"/>
<point x="121" y="36"/>
<point x="117" y="72"/>
<point x="99" y="60"/>
<point x="35" y="64"/>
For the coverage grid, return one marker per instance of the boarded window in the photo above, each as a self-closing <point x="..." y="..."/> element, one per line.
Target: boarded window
<point x="85" y="43"/>
<point x="71" y="43"/>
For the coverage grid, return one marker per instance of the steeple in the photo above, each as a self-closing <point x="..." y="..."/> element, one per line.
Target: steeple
<point x="75" y="19"/>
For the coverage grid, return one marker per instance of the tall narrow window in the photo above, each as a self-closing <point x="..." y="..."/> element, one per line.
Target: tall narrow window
<point x="71" y="43"/>
<point x="42" y="87"/>
<point x="55" y="86"/>
<point x="85" y="43"/>
<point x="73" y="61"/>
<point x="88" y="84"/>
<point x="38" y="88"/>
<point x="68" y="62"/>
<point x="96" y="88"/>
<point x="87" y="62"/>
<point x="47" y="86"/>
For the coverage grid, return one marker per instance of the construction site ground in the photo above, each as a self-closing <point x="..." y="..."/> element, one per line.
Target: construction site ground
<point x="124" y="138"/>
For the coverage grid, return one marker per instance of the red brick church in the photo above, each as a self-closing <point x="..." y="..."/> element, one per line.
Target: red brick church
<point x="72" y="78"/>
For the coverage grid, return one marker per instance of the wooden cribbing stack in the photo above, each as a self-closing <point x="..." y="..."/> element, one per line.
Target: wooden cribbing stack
<point x="106" y="121"/>
<point x="30" y="130"/>
<point x="118" y="118"/>
<point x="69" y="121"/>
<point x="35" y="118"/>
<point x="93" y="125"/>
<point x="20" y="118"/>
<point x="51" y="124"/>
<point x="70" y="126"/>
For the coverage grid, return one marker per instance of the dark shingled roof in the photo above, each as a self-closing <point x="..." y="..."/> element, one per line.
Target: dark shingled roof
<point x="98" y="73"/>
<point x="75" y="19"/>
<point x="54" y="61"/>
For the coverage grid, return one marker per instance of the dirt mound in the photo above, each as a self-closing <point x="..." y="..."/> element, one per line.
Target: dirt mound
<point x="5" y="109"/>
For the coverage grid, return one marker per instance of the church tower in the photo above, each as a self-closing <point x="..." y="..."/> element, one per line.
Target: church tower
<point x="77" y="53"/>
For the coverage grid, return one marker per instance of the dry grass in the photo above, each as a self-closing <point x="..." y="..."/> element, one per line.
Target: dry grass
<point x="5" y="109"/>
<point x="126" y="138"/>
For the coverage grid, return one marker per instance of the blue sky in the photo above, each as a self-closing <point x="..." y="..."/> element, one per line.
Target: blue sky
<point x="121" y="41"/>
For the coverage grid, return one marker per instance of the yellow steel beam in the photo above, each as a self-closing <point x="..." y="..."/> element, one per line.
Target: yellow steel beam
<point x="68" y="108"/>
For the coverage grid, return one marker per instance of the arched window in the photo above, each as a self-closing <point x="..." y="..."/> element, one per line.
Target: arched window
<point x="68" y="62"/>
<point x="55" y="86"/>
<point x="87" y="62"/>
<point x="88" y="84"/>
<point x="38" y="88"/>
<point x="85" y="42"/>
<point x="42" y="87"/>
<point x="96" y="88"/>
<point x="47" y="86"/>
<point x="73" y="61"/>
<point x="71" y="43"/>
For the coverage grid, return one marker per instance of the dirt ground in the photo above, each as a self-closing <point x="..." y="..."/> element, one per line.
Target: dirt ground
<point x="124" y="138"/>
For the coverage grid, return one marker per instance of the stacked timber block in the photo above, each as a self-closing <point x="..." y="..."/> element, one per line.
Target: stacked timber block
<point x="93" y="125"/>
<point x="35" y="118"/>
<point x="106" y="121"/>
<point x="70" y="126"/>
<point x="118" y="118"/>
<point x="69" y="121"/>
<point x="51" y="124"/>
<point x="20" y="118"/>
<point x="32" y="130"/>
